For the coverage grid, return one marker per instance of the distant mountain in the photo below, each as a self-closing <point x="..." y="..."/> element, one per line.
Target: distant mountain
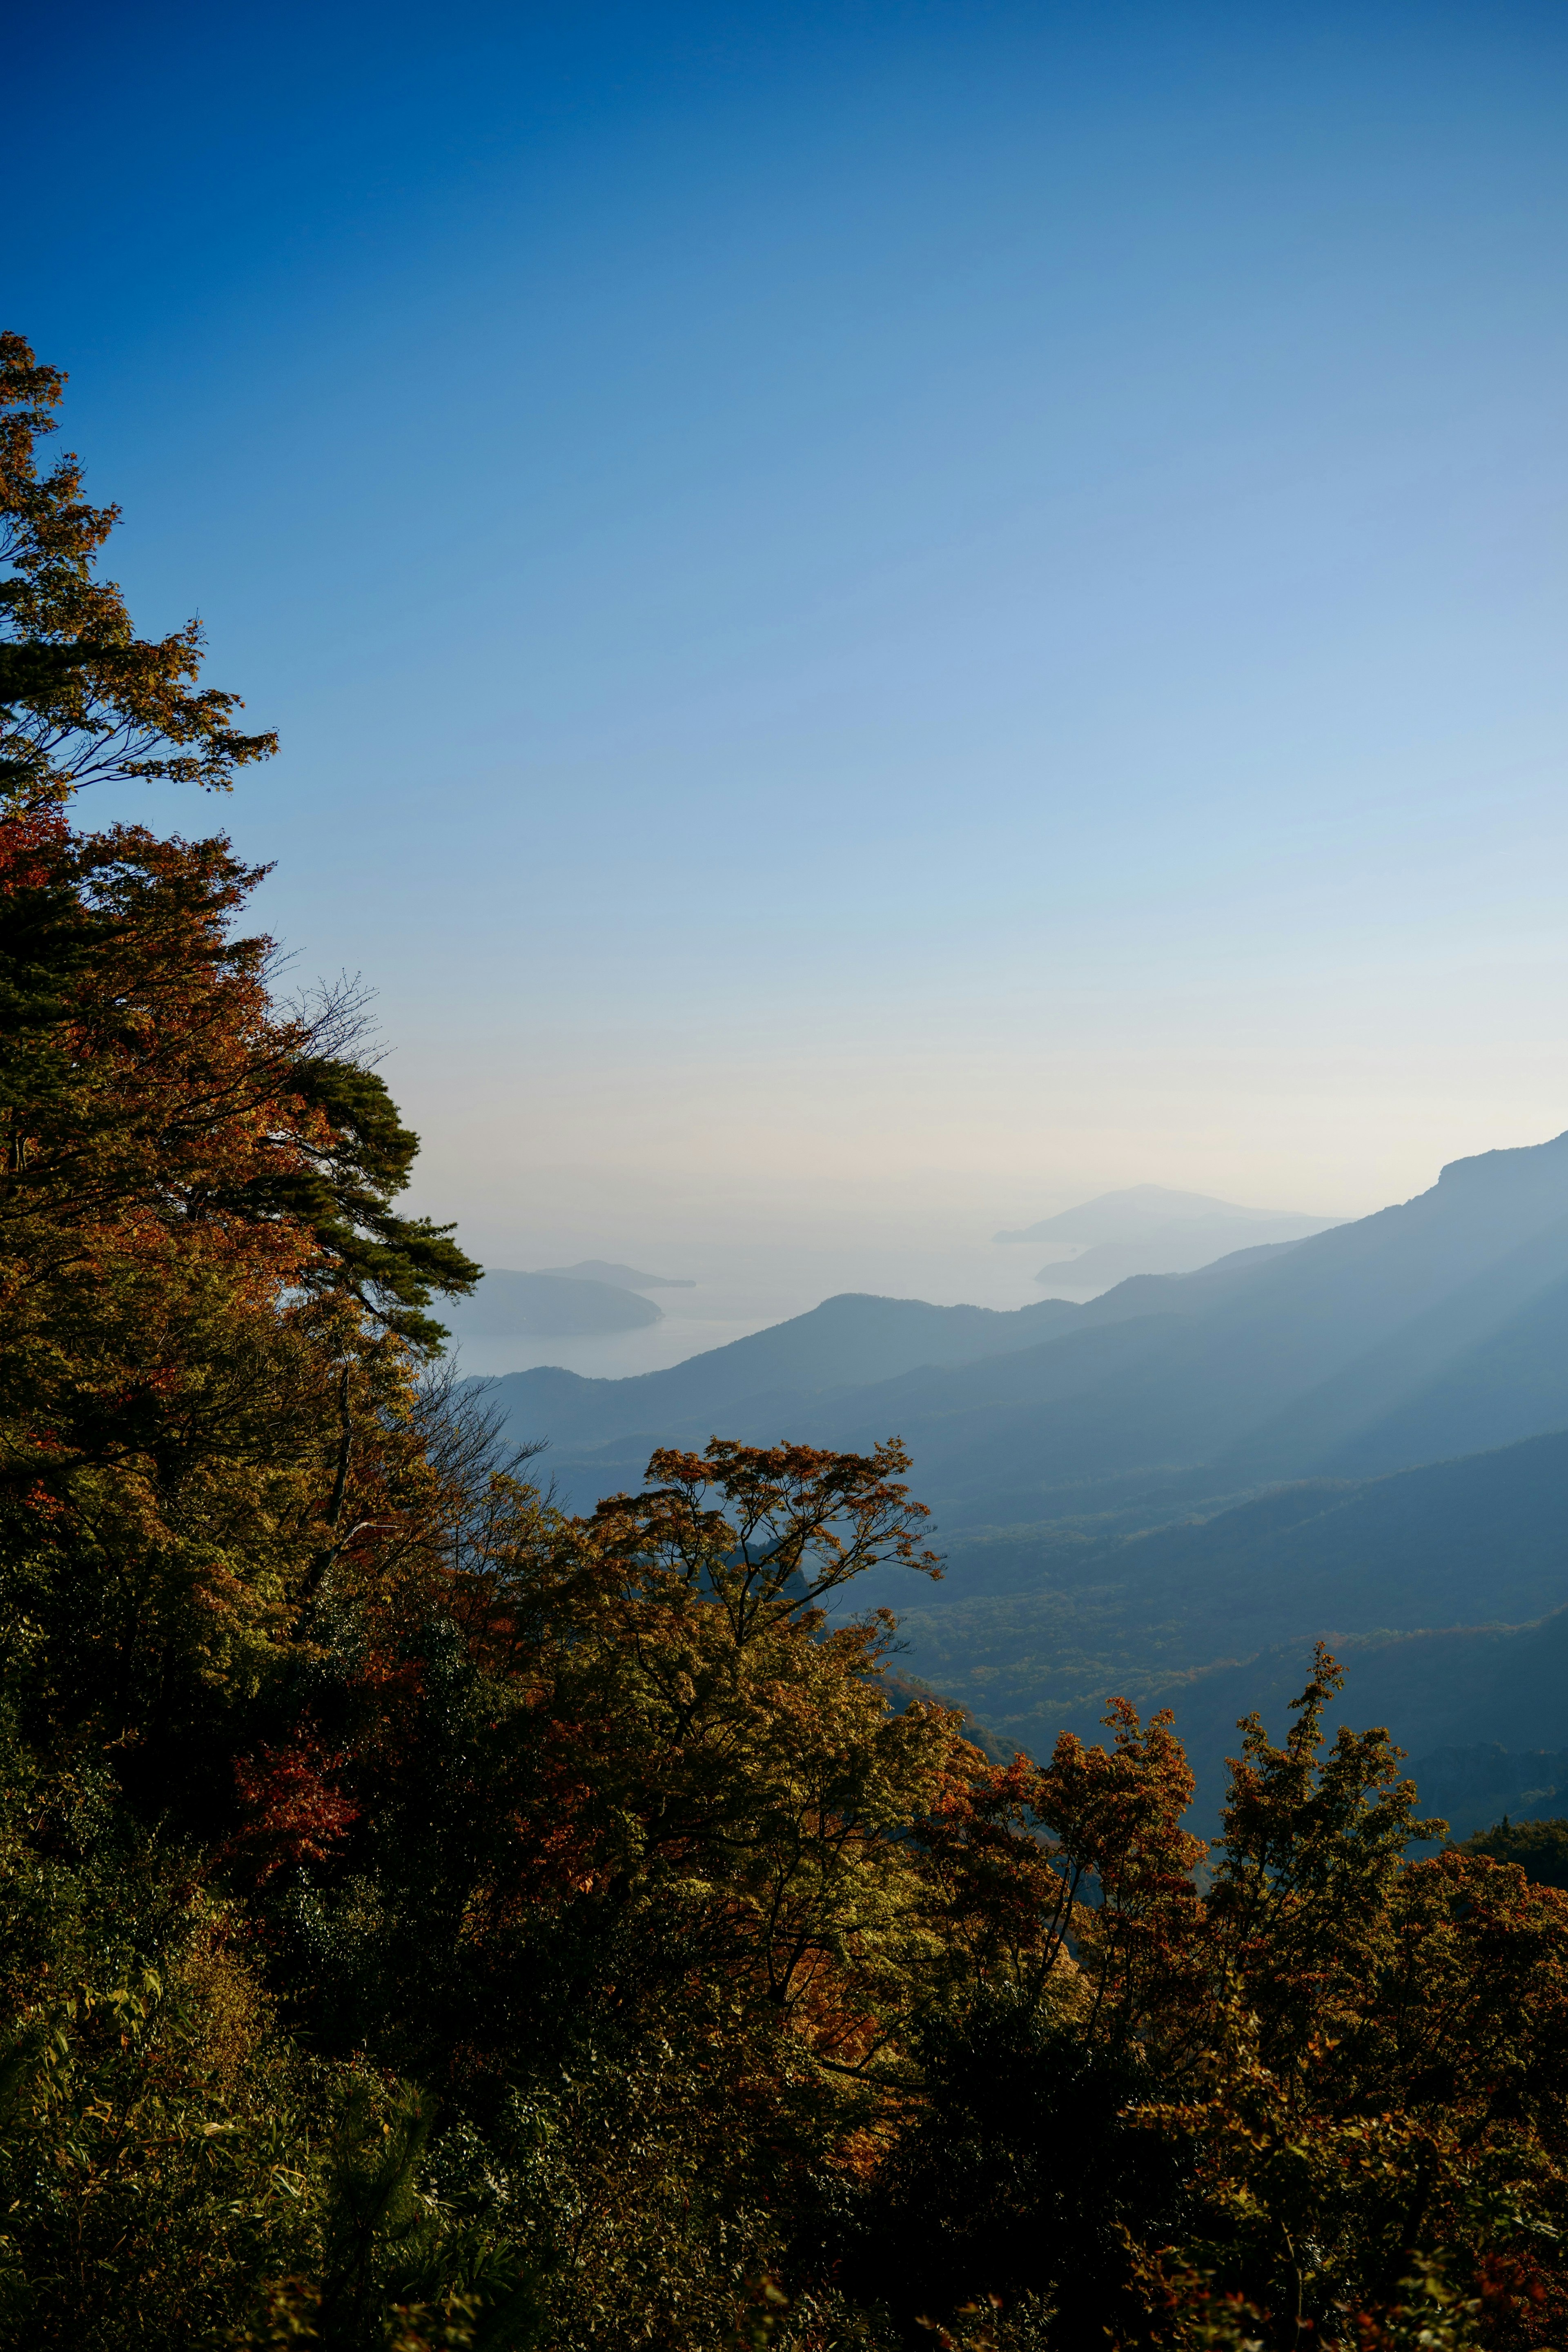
<point x="846" y="1343"/>
<point x="1433" y="1329"/>
<point x="1172" y="1490"/>
<point x="619" y="1277"/>
<point x="1473" y="1787"/>
<point x="1449" y="1687"/>
<point x="1177" y="1248"/>
<point x="1143" y="1210"/>
<point x="1035" y="1628"/>
<point x="1371" y="1347"/>
<point x="508" y="1305"/>
<point x="1488" y="1362"/>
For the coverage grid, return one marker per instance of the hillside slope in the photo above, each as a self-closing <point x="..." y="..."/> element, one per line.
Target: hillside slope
<point x="1171" y="1491"/>
<point x="850" y="1341"/>
<point x="1436" y="1327"/>
<point x="1036" y="1629"/>
<point x="1453" y="1686"/>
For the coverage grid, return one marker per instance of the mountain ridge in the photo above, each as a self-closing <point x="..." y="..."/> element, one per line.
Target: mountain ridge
<point x="1175" y="1488"/>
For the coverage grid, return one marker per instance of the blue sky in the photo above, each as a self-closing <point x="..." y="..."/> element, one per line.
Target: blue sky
<point x="881" y="616"/>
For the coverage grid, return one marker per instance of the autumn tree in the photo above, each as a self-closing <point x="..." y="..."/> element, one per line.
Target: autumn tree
<point x="209" y="1300"/>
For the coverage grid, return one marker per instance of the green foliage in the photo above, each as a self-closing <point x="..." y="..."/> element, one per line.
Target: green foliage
<point x="429" y="1919"/>
<point x="82" y="699"/>
<point x="1539" y="1848"/>
<point x="393" y="2267"/>
<point x="358" y="1155"/>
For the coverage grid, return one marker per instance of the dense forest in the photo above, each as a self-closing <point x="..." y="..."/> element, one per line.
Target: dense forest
<point x="431" y="1917"/>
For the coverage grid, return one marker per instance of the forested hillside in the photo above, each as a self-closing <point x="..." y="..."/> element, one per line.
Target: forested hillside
<point x="1431" y="1328"/>
<point x="1166" y="1492"/>
<point x="1444" y="1583"/>
<point x="432" y="1918"/>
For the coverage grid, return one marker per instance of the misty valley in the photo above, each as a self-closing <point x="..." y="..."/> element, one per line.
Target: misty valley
<point x="1169" y="1491"/>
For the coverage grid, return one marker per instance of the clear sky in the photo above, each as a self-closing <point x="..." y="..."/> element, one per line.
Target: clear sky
<point x="881" y="616"/>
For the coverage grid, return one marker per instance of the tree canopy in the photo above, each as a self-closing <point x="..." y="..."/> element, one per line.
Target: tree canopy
<point x="83" y="699"/>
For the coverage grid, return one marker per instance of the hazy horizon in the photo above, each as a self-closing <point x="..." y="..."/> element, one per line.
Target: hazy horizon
<point x="880" y="620"/>
<point x="747" y="1275"/>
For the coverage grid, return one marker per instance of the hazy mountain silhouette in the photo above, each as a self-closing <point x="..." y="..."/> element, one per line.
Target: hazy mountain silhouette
<point x="1142" y="1210"/>
<point x="508" y="1305"/>
<point x="1177" y="1248"/>
<point x="1172" y="1490"/>
<point x="1128" y="1215"/>
<point x="849" y="1342"/>
<point x="1148" y="1229"/>
<point x="1430" y="1329"/>
<point x="619" y="1277"/>
<point x="1370" y="1346"/>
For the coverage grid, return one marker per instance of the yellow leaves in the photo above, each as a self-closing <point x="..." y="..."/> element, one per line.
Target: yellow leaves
<point x="766" y="1531"/>
<point x="971" y="2327"/>
<point x="755" y="1791"/>
<point x="230" y="2015"/>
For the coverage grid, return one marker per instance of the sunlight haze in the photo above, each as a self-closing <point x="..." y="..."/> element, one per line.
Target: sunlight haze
<point x="881" y="619"/>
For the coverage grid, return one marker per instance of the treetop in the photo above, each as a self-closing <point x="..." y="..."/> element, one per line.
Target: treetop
<point x="83" y="699"/>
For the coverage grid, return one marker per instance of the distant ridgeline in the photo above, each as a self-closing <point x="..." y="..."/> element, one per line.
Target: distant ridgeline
<point x="1148" y="1229"/>
<point x="1474" y="1787"/>
<point x="569" y="1302"/>
<point x="1169" y="1491"/>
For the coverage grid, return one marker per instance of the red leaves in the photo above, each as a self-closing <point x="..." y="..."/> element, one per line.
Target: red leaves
<point x="1523" y="2305"/>
<point x="30" y="843"/>
<point x="1004" y="1889"/>
<point x="295" y="1812"/>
